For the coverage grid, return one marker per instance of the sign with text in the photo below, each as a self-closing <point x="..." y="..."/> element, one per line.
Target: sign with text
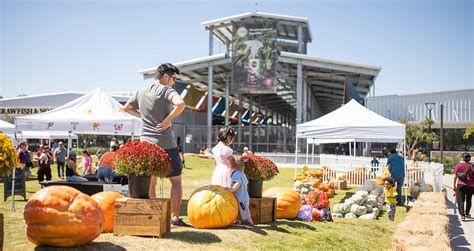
<point x="20" y="184"/>
<point x="23" y="111"/>
<point x="254" y="57"/>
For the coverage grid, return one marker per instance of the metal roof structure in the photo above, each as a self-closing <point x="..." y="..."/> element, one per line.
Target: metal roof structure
<point x="326" y="78"/>
<point x="306" y="87"/>
<point x="287" y="26"/>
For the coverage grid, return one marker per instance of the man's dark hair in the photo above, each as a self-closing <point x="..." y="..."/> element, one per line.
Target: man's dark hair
<point x="166" y="68"/>
<point x="393" y="150"/>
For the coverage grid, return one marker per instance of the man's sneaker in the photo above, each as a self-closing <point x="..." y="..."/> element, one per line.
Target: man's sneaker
<point x="468" y="216"/>
<point x="463" y="218"/>
<point x="179" y="223"/>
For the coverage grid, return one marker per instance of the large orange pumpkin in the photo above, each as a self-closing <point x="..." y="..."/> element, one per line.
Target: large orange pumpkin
<point x="106" y="201"/>
<point x="212" y="207"/>
<point x="288" y="202"/>
<point x="62" y="216"/>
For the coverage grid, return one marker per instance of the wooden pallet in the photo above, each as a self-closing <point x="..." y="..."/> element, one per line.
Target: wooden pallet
<point x="263" y="210"/>
<point x="142" y="217"/>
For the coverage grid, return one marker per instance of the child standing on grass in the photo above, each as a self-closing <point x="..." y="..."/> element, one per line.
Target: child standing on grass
<point x="239" y="188"/>
<point x="223" y="157"/>
<point x="390" y="190"/>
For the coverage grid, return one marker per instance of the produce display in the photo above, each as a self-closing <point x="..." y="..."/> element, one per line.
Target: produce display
<point x="106" y="201"/>
<point x="308" y="181"/>
<point x="316" y="207"/>
<point x="364" y="204"/>
<point x="212" y="207"/>
<point x="288" y="202"/>
<point x="62" y="216"/>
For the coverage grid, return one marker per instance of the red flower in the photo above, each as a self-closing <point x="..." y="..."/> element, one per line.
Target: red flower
<point x="259" y="168"/>
<point x="142" y="159"/>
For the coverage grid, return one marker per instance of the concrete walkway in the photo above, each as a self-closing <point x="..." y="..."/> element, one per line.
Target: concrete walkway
<point x="461" y="233"/>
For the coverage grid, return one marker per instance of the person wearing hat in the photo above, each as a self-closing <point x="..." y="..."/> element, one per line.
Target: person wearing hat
<point x="60" y="154"/>
<point x="464" y="185"/>
<point x="157" y="105"/>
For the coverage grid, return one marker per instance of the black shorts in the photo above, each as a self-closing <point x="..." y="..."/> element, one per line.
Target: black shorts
<point x="175" y="162"/>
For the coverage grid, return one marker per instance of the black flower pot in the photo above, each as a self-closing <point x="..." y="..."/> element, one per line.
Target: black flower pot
<point x="139" y="186"/>
<point x="255" y="188"/>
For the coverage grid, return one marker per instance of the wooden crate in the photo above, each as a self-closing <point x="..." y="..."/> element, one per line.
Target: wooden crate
<point x="340" y="185"/>
<point x="142" y="217"/>
<point x="263" y="210"/>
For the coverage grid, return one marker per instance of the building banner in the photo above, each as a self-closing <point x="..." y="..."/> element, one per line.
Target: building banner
<point x="254" y="57"/>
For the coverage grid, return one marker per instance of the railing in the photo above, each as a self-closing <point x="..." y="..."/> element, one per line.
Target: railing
<point x="359" y="169"/>
<point x="355" y="176"/>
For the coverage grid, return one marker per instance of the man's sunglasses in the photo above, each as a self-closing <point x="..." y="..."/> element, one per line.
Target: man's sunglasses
<point x="174" y="78"/>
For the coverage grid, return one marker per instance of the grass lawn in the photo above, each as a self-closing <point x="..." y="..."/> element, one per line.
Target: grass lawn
<point x="342" y="234"/>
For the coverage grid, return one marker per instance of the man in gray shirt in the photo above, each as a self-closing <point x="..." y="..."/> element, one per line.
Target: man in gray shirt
<point x="60" y="154"/>
<point x="158" y="105"/>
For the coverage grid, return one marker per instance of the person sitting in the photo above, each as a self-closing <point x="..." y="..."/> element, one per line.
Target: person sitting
<point x="202" y="151"/>
<point x="86" y="162"/>
<point x="105" y="172"/>
<point x="246" y="151"/>
<point x="71" y="173"/>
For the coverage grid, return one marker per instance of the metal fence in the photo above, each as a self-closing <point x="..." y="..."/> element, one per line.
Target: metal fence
<point x="276" y="139"/>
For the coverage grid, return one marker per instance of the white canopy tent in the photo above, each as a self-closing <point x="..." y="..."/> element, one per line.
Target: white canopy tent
<point x="350" y="123"/>
<point x="93" y="113"/>
<point x="44" y="135"/>
<point x="6" y="127"/>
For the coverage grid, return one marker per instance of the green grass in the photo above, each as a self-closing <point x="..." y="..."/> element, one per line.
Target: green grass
<point x="342" y="234"/>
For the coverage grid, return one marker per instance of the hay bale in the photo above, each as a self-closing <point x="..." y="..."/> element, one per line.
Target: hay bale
<point x="431" y="197"/>
<point x="406" y="241"/>
<point x="429" y="209"/>
<point x="425" y="226"/>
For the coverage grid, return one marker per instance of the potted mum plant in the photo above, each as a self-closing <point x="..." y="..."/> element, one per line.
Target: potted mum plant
<point x="140" y="161"/>
<point x="258" y="169"/>
<point x="8" y="156"/>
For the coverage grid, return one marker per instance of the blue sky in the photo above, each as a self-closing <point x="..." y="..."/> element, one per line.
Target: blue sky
<point x="60" y="45"/>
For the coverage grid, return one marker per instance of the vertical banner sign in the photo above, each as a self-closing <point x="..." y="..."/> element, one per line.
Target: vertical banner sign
<point x="254" y="57"/>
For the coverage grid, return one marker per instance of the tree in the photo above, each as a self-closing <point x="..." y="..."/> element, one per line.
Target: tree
<point x="418" y="133"/>
<point x="469" y="131"/>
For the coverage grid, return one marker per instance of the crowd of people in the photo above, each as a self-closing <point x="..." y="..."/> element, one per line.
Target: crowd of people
<point x="66" y="163"/>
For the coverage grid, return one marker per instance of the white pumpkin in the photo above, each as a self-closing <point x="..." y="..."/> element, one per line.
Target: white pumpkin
<point x="358" y="210"/>
<point x="368" y="217"/>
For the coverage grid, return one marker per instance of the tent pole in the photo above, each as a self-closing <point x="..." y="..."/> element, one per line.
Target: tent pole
<point x="13" y="189"/>
<point x="355" y="151"/>
<point x="296" y="155"/>
<point x="69" y="144"/>
<point x="405" y="166"/>
<point x="307" y="152"/>
<point x="312" y="162"/>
